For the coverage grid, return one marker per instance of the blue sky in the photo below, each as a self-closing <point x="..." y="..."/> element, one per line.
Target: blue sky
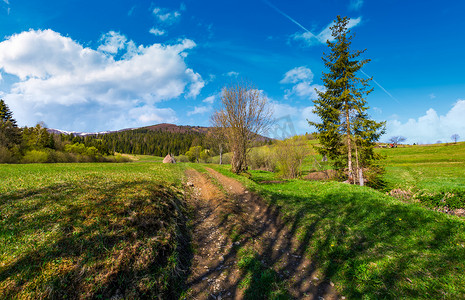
<point x="106" y="65"/>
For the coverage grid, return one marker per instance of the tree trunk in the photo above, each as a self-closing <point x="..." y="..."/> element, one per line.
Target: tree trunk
<point x="349" y="145"/>
<point x="359" y="170"/>
<point x="239" y="160"/>
<point x="221" y="154"/>
<point x="360" y="175"/>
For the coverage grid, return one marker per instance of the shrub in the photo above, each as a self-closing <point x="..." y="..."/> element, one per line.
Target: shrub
<point x="262" y="158"/>
<point x="181" y="158"/>
<point x="35" y="156"/>
<point x="452" y="200"/>
<point x="6" y="156"/>
<point x="289" y="156"/>
<point x="205" y="156"/>
<point x="120" y="158"/>
<point x="226" y="159"/>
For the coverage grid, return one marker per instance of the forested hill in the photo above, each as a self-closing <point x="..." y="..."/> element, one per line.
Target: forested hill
<point x="158" y="140"/>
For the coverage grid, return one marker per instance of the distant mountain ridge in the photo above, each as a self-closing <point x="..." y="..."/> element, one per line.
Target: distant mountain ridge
<point x="158" y="127"/>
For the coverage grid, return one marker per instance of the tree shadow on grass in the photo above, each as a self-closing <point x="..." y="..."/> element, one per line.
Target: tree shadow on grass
<point x="94" y="239"/>
<point x="375" y="248"/>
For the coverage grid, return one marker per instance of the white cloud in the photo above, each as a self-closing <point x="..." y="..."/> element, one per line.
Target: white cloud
<point x="198" y="110"/>
<point x="430" y="127"/>
<point x="152" y="115"/>
<point x="210" y="99"/>
<point x="301" y="78"/>
<point x="232" y="74"/>
<point x="7" y="2"/>
<point x="377" y="110"/>
<point x="309" y="39"/>
<point x="165" y="16"/>
<point x="157" y="32"/>
<point x="291" y="120"/>
<point x="298" y="74"/>
<point x="112" y="42"/>
<point x="63" y="80"/>
<point x="355" y="4"/>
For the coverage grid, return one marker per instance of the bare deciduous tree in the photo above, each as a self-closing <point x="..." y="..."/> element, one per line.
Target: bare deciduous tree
<point x="455" y="137"/>
<point x="397" y="139"/>
<point x="244" y="113"/>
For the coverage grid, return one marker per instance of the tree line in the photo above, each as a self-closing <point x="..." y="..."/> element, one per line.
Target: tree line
<point x="37" y="144"/>
<point x="142" y="141"/>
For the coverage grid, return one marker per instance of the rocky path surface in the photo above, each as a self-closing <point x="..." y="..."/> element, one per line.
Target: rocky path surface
<point x="229" y="218"/>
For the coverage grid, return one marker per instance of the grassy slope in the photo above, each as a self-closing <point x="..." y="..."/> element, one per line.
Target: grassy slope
<point x="433" y="168"/>
<point x="89" y="230"/>
<point x="371" y="245"/>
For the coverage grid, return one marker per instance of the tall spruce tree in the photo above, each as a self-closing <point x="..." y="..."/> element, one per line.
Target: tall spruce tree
<point x="345" y="132"/>
<point x="10" y="134"/>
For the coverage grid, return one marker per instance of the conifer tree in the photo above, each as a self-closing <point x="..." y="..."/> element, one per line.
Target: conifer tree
<point x="345" y="131"/>
<point x="10" y="134"/>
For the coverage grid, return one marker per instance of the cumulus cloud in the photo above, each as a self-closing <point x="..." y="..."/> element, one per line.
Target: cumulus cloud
<point x="164" y="15"/>
<point x="290" y="120"/>
<point x="431" y="127"/>
<point x="112" y="42"/>
<point x="301" y="78"/>
<point x="297" y="74"/>
<point x="309" y="39"/>
<point x="157" y="32"/>
<point x="232" y="74"/>
<point x="210" y="99"/>
<point x="57" y="74"/>
<point x="152" y="115"/>
<point x="198" y="110"/>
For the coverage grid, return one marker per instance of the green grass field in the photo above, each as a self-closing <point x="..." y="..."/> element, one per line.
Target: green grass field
<point x="371" y="245"/>
<point x="98" y="230"/>
<point x="433" y="168"/>
<point x="91" y="230"/>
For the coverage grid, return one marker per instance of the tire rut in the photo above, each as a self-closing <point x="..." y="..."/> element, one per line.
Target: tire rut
<point x="232" y="218"/>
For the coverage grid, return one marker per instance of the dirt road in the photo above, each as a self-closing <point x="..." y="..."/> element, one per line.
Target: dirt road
<point x="229" y="219"/>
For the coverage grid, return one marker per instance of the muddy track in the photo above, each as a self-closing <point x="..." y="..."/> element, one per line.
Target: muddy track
<point x="228" y="218"/>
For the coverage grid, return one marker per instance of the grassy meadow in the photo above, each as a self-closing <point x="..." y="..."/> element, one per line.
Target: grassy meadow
<point x="370" y="244"/>
<point x="433" y="175"/>
<point x="91" y="230"/>
<point x="431" y="167"/>
<point x="102" y="230"/>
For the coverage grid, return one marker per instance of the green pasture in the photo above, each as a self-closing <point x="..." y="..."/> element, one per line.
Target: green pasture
<point x="370" y="245"/>
<point x="434" y="168"/>
<point x="91" y="230"/>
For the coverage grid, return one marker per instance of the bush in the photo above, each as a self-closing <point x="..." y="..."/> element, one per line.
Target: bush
<point x="289" y="156"/>
<point x="6" y="156"/>
<point x="205" y="156"/>
<point x="59" y="157"/>
<point x="35" y="156"/>
<point x="181" y="158"/>
<point x="120" y="159"/>
<point x="226" y="159"/>
<point x="452" y="200"/>
<point x="262" y="158"/>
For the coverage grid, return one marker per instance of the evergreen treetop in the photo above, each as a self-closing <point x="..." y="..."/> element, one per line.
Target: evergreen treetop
<point x="345" y="125"/>
<point x="6" y="114"/>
